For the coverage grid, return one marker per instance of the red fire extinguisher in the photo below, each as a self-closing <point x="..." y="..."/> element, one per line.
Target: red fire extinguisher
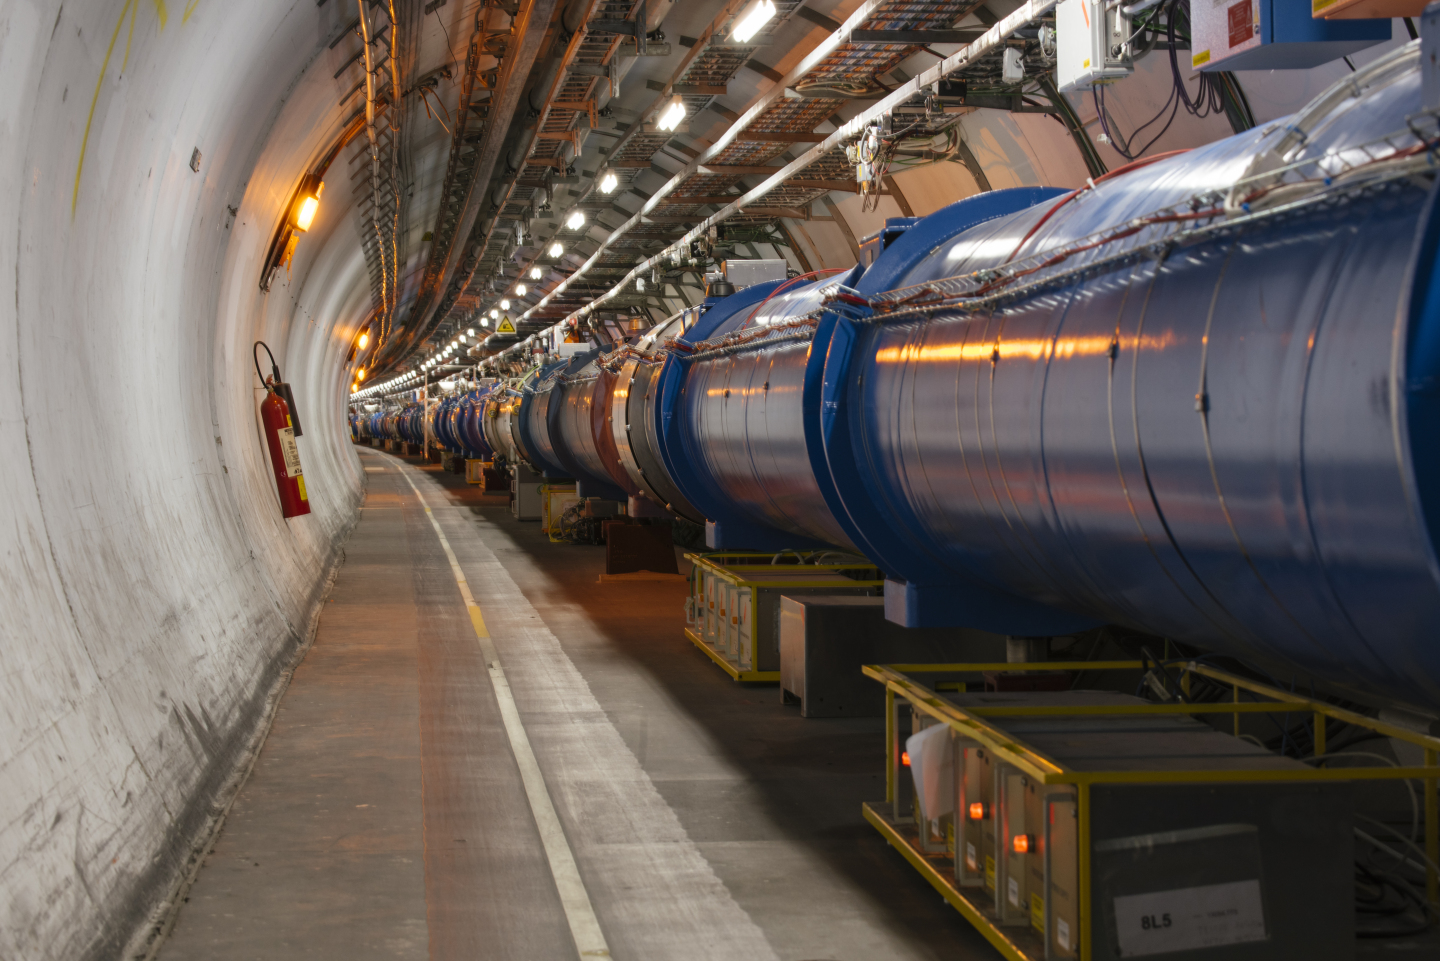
<point x="280" y="431"/>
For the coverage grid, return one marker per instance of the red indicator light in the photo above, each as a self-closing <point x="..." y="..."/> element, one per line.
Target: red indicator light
<point x="979" y="811"/>
<point x="905" y="758"/>
<point x="1022" y="843"/>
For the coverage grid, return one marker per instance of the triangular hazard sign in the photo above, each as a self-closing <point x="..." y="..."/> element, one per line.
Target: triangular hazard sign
<point x="506" y="326"/>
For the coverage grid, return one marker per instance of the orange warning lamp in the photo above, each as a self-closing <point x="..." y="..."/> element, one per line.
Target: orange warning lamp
<point x="905" y="758"/>
<point x="979" y="811"/>
<point x="1023" y="843"/>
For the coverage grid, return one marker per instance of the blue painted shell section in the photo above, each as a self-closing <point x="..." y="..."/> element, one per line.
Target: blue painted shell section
<point x="742" y="423"/>
<point x="1232" y="445"/>
<point x="672" y="429"/>
<point x="828" y="430"/>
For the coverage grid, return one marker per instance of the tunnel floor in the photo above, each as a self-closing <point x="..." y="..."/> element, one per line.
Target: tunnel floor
<point x="386" y="816"/>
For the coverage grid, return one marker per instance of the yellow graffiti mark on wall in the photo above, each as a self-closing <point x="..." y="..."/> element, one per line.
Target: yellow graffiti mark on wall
<point x="130" y="9"/>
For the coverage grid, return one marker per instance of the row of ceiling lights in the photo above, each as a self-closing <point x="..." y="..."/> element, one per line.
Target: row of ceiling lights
<point x="759" y="13"/>
<point x="747" y="24"/>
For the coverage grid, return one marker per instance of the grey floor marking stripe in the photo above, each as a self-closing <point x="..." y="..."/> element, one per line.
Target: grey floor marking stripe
<point x="579" y="912"/>
<point x="658" y="894"/>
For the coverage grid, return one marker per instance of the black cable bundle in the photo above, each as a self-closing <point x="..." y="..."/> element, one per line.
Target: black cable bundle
<point x="1217" y="92"/>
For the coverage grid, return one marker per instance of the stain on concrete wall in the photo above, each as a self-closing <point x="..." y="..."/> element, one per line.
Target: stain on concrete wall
<point x="152" y="592"/>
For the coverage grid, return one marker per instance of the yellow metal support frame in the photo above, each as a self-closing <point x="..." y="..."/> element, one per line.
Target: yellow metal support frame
<point x="972" y="724"/>
<point x="731" y="567"/>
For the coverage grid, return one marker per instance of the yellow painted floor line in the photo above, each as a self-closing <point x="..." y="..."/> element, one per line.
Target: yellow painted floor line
<point x="579" y="912"/>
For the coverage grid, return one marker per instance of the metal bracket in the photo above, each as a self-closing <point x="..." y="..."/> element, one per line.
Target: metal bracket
<point x="625" y="28"/>
<point x="607" y="71"/>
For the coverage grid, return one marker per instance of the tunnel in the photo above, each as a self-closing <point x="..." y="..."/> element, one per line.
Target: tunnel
<point x="843" y="479"/>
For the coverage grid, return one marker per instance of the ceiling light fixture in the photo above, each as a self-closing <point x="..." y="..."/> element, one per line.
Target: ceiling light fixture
<point x="520" y="290"/>
<point x="674" y="113"/>
<point x="536" y="273"/>
<point x="556" y="250"/>
<point x="576" y="220"/>
<point x="608" y="182"/>
<point x="751" y="19"/>
<point x="504" y="305"/>
<point x="307" y="202"/>
<point x="364" y="340"/>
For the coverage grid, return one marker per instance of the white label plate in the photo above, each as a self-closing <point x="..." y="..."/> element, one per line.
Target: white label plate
<point x="289" y="451"/>
<point x="1189" y="918"/>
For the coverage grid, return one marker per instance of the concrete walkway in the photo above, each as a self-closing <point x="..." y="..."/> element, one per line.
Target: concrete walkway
<point x="387" y="818"/>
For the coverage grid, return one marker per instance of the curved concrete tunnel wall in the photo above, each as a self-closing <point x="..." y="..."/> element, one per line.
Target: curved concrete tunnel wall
<point x="152" y="592"/>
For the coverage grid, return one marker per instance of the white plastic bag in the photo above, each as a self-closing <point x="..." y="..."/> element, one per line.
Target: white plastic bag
<point x="932" y="764"/>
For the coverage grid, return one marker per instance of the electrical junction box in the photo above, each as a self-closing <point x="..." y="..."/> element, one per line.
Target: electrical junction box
<point x="748" y="273"/>
<point x="1092" y="44"/>
<point x="1273" y="35"/>
<point x="1221" y="871"/>
<point x="527" y="502"/>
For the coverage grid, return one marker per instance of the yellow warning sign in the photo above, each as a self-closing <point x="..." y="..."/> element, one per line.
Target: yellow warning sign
<point x="506" y="326"/>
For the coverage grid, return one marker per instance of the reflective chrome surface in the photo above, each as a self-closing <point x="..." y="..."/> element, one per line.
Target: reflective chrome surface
<point x="742" y="425"/>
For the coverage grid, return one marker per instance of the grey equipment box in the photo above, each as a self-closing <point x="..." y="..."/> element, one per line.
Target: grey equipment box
<point x="824" y="640"/>
<point x="526" y="501"/>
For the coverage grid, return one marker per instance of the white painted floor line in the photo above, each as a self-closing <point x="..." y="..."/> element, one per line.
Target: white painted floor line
<point x="655" y="890"/>
<point x="579" y="912"/>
